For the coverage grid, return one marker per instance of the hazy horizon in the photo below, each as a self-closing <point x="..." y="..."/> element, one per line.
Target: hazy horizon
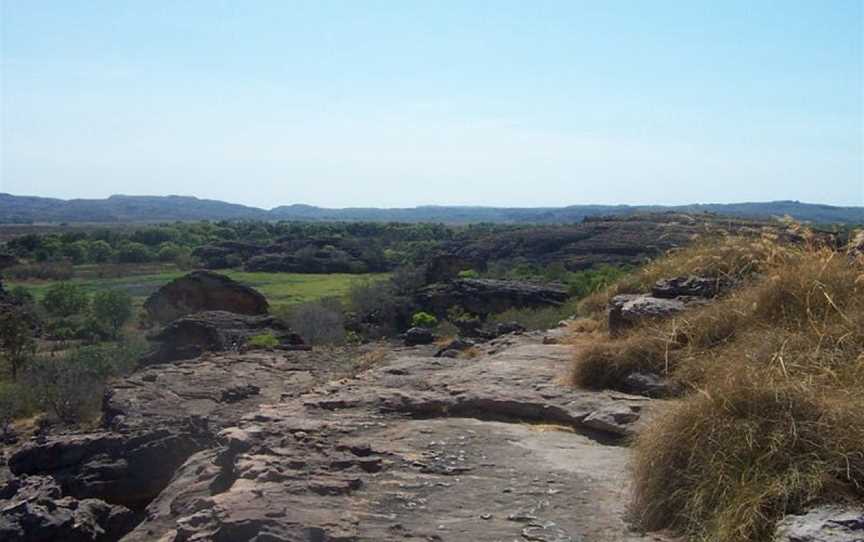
<point x="397" y="104"/>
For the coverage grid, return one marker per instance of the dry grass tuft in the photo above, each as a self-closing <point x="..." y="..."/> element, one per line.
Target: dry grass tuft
<point x="771" y="373"/>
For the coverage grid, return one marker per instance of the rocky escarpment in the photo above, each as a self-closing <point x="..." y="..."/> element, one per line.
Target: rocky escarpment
<point x="203" y="291"/>
<point x="488" y="296"/>
<point x="274" y="445"/>
<point x="215" y="331"/>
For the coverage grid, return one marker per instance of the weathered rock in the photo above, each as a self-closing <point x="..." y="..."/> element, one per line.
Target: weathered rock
<point x="415" y="448"/>
<point x="203" y="291"/>
<point x="370" y="459"/>
<point x="823" y="524"/>
<point x="122" y="469"/>
<point x="647" y="384"/>
<point x="419" y="335"/>
<point x="34" y="510"/>
<point x="214" y="331"/>
<point x="626" y="310"/>
<point x="454" y="347"/>
<point x="506" y="328"/>
<point x="690" y="286"/>
<point x="487" y="296"/>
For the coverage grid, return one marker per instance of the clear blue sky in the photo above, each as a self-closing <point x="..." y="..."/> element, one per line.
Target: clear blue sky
<point x="406" y="102"/>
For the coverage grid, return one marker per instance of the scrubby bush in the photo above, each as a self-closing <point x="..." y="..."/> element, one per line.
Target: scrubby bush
<point x="112" y="309"/>
<point x="318" y="322"/>
<point x="469" y="274"/>
<point x="423" y="319"/>
<point x="65" y="299"/>
<point x="65" y="388"/>
<point x="17" y="343"/>
<point x="771" y="376"/>
<point x="263" y="340"/>
<point x="542" y="318"/>
<point x="22" y="295"/>
<point x="71" y="387"/>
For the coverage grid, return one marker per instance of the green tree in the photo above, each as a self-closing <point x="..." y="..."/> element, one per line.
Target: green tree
<point x="100" y="251"/>
<point x="134" y="253"/>
<point x="17" y="344"/>
<point x="65" y="299"/>
<point x="170" y="252"/>
<point x="112" y="308"/>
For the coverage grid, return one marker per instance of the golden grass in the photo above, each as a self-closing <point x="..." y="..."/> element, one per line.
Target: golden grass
<point x="770" y="420"/>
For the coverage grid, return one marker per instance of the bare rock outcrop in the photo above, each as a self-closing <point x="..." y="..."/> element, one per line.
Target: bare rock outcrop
<point x="276" y="446"/>
<point x="487" y="296"/>
<point x="823" y="524"/>
<point x="214" y="331"/>
<point x="203" y="291"/>
<point x="35" y="510"/>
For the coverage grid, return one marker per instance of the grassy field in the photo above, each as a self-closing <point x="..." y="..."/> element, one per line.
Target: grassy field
<point x="279" y="288"/>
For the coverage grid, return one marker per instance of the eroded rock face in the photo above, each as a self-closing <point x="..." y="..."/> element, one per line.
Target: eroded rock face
<point x="35" y="510"/>
<point x="704" y="287"/>
<point x="203" y="291"/>
<point x="823" y="524"/>
<point x="214" y="331"/>
<point x="419" y="335"/>
<point x="416" y="448"/>
<point x="626" y="310"/>
<point x="486" y="296"/>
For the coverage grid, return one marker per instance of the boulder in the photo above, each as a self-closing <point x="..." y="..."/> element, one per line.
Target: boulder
<point x="454" y="347"/>
<point x="506" y="328"/>
<point x="823" y="524"/>
<point x="626" y="310"/>
<point x="690" y="286"/>
<point x="419" y="335"/>
<point x="35" y="510"/>
<point x="487" y="296"/>
<point x="646" y="384"/>
<point x="214" y="331"/>
<point x="203" y="291"/>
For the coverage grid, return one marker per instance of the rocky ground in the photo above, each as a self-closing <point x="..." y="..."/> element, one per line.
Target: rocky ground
<point x="308" y="446"/>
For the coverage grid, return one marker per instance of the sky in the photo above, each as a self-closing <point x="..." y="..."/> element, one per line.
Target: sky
<point x="414" y="102"/>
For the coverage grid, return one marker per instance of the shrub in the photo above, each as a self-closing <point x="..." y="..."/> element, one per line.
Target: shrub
<point x="469" y="274"/>
<point x="22" y="295"/>
<point x="17" y="344"/>
<point x="66" y="388"/>
<point x="319" y="322"/>
<point x="65" y="299"/>
<point x="263" y="340"/>
<point x="542" y="318"/>
<point x="42" y="271"/>
<point x="771" y="374"/>
<point x="423" y="319"/>
<point x="112" y="309"/>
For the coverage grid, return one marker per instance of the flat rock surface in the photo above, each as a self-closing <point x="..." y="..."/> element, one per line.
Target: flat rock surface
<point x="403" y="447"/>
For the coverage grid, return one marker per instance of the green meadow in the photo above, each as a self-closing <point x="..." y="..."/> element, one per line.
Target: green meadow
<point x="280" y="289"/>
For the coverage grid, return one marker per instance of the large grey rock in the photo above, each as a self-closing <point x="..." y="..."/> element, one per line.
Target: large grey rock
<point x="419" y="335"/>
<point x="203" y="291"/>
<point x="689" y="286"/>
<point x="626" y="310"/>
<point x="214" y="331"/>
<point x="823" y="524"/>
<point x="487" y="296"/>
<point x="33" y="509"/>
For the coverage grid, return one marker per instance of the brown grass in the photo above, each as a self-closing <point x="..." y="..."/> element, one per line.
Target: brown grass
<point x="771" y="376"/>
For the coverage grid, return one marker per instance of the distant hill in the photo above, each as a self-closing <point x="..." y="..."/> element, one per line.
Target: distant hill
<point x="28" y="209"/>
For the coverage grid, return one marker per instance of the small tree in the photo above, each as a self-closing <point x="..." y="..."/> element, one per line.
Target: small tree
<point x="112" y="308"/>
<point x="17" y="343"/>
<point x="65" y="299"/>
<point x="423" y="319"/>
